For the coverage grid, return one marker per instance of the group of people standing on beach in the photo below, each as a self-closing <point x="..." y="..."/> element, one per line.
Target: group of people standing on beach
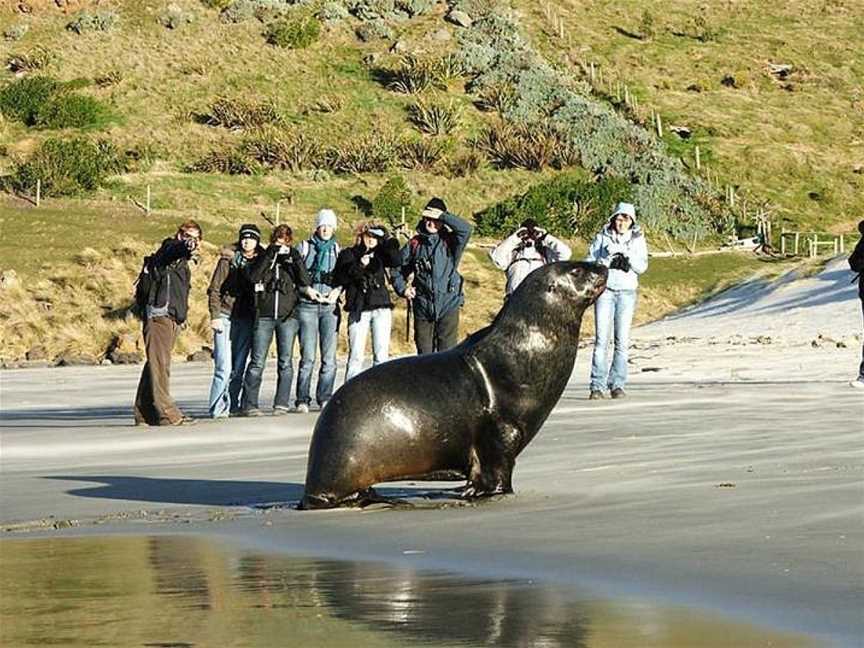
<point x="300" y="291"/>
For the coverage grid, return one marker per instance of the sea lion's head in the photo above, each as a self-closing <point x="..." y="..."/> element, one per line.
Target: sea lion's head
<point x="556" y="294"/>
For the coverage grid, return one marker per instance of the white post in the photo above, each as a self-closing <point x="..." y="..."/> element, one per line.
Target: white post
<point x="698" y="161"/>
<point x="38" y="191"/>
<point x="148" y="200"/>
<point x="277" y="212"/>
<point x="659" y="125"/>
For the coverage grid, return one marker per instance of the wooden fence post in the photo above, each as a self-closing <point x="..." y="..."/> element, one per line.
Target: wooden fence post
<point x="147" y="205"/>
<point x="698" y="161"/>
<point x="277" y="211"/>
<point x="38" y="191"/>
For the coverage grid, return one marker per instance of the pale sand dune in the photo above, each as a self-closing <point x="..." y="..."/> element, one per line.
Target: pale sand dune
<point x="731" y="479"/>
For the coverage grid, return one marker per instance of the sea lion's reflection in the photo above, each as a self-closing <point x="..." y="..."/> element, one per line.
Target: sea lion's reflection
<point x="448" y="609"/>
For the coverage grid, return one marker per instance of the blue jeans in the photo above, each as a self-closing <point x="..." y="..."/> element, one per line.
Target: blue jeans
<point x="231" y="348"/>
<point x="380" y="320"/>
<point x="319" y="325"/>
<point x="613" y="314"/>
<point x="262" y="335"/>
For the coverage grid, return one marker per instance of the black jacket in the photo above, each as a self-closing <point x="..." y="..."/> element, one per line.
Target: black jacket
<point x="366" y="287"/>
<point x="276" y="279"/>
<point x="172" y="294"/>
<point x="230" y="291"/>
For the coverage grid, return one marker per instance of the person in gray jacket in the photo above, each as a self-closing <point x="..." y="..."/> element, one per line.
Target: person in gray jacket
<point x="429" y="277"/>
<point x="528" y="248"/>
<point x="621" y="247"/>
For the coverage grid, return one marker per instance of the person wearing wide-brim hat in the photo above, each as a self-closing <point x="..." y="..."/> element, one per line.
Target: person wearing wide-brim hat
<point x="621" y="247"/>
<point x="432" y="257"/>
<point x="232" y="316"/>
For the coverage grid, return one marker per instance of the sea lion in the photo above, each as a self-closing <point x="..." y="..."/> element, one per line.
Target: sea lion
<point x="467" y="411"/>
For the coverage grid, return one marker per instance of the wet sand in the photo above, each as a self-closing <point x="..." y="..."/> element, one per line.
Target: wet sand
<point x="730" y="481"/>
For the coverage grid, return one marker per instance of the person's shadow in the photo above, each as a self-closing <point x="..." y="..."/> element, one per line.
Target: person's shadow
<point x="204" y="492"/>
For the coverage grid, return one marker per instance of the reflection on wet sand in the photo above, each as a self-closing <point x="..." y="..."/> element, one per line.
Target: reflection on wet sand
<point x="183" y="591"/>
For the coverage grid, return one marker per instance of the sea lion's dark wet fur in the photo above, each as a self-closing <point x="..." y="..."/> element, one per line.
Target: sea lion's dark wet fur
<point x="467" y="411"/>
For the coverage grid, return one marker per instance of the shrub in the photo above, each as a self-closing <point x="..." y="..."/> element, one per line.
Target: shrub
<point x="282" y="149"/>
<point x="465" y="163"/>
<point x="414" y="75"/>
<point x="332" y="11"/>
<point x="109" y="78"/>
<point x="15" y="32"/>
<point x="565" y="205"/>
<point x="231" y="161"/>
<point x="36" y="59"/>
<point x="415" y="7"/>
<point x="22" y="99"/>
<point x="391" y="199"/>
<point x="435" y="118"/>
<point x="421" y="153"/>
<point x="216" y="4"/>
<point x="69" y="110"/>
<point x="527" y="146"/>
<point x="327" y="103"/>
<point x="241" y="10"/>
<point x="370" y="10"/>
<point x="497" y="96"/>
<point x="98" y="21"/>
<point x="374" y="153"/>
<point x="238" y="114"/>
<point x="174" y="17"/>
<point x="68" y="167"/>
<point x="293" y="33"/>
<point x="374" y="30"/>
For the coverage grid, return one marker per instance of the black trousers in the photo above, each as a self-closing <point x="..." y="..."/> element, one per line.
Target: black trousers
<point x="439" y="335"/>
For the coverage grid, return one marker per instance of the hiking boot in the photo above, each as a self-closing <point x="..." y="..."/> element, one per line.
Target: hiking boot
<point x="617" y="393"/>
<point x="596" y="395"/>
<point x="281" y="410"/>
<point x="252" y="411"/>
<point x="302" y="408"/>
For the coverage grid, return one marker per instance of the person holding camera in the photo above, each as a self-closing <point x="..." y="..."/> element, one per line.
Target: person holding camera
<point x="318" y="312"/>
<point x="435" y="293"/>
<point x="165" y="311"/>
<point x="361" y="270"/>
<point x="528" y="248"/>
<point x="621" y="247"/>
<point x="232" y="316"/>
<point x="276" y="276"/>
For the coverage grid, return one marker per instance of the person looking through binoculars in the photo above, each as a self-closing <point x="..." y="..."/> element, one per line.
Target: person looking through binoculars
<point x="528" y="248"/>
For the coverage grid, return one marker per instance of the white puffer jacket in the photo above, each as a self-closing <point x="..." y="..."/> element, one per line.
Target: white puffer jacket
<point x="631" y="244"/>
<point x="518" y="260"/>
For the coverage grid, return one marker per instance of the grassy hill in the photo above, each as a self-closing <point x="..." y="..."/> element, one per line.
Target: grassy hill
<point x="323" y="123"/>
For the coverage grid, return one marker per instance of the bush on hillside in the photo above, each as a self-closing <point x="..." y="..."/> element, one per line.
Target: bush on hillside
<point x="276" y="148"/>
<point x="373" y="153"/>
<point x="95" y="21"/>
<point x="332" y="11"/>
<point x="231" y="161"/>
<point x="69" y="110"/>
<point x="38" y="58"/>
<point x="263" y="10"/>
<point x="421" y="153"/>
<point x="415" y="7"/>
<point x="368" y="10"/>
<point x="414" y="74"/>
<point x="15" y="32"/>
<point x="464" y="163"/>
<point x="391" y="199"/>
<point x="293" y="33"/>
<point x="216" y="4"/>
<point x="374" y="30"/>
<point x="527" y="146"/>
<point x="22" y="99"/>
<point x="68" y="167"/>
<point x="237" y="113"/>
<point x="435" y="118"/>
<point x="175" y="17"/>
<point x="569" y="204"/>
<point x="47" y="103"/>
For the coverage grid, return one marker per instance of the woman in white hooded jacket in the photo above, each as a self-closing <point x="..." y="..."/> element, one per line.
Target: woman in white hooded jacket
<point x="621" y="247"/>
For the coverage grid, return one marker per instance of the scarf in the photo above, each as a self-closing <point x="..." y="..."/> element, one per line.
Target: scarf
<point x="323" y="251"/>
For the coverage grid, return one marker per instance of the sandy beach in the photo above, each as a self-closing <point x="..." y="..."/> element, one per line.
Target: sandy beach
<point x="730" y="480"/>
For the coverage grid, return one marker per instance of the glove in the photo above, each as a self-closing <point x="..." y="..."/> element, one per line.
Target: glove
<point x="313" y="294"/>
<point x="217" y="325"/>
<point x="620" y="262"/>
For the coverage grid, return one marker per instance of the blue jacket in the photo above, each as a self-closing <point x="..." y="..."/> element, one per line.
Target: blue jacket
<point x="631" y="244"/>
<point x="434" y="259"/>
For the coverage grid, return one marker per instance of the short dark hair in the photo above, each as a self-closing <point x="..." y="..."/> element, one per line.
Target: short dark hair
<point x="190" y="224"/>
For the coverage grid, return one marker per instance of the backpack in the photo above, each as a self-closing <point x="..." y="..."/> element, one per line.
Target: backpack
<point x="146" y="286"/>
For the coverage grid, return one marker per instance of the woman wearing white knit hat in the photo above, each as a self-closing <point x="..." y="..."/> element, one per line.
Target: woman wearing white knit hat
<point x="318" y="312"/>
